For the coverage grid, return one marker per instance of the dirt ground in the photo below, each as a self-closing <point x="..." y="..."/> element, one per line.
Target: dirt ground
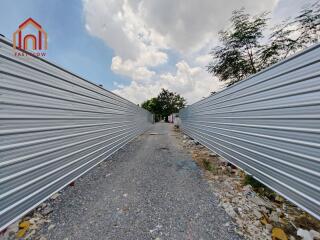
<point x="259" y="212"/>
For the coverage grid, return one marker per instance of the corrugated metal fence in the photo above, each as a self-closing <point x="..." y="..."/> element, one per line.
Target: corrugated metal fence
<point x="269" y="125"/>
<point x="54" y="126"/>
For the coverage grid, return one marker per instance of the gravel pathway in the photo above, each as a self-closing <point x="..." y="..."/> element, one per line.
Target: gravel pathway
<point x="150" y="189"/>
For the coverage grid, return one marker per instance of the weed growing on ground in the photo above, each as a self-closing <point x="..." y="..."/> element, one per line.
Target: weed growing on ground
<point x="209" y="166"/>
<point x="259" y="187"/>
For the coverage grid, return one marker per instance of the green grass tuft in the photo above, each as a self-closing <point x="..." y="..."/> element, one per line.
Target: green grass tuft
<point x="208" y="165"/>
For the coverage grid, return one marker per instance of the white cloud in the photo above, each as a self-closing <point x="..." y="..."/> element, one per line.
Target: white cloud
<point x="137" y="69"/>
<point x="191" y="82"/>
<point x="143" y="32"/>
<point x="203" y="60"/>
<point x="189" y="25"/>
<point x="136" y="47"/>
<point x="130" y="68"/>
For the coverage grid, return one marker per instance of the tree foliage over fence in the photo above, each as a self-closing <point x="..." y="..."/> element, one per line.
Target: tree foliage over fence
<point x="246" y="48"/>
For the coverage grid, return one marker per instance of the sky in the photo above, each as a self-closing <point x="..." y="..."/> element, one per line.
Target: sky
<point x="136" y="47"/>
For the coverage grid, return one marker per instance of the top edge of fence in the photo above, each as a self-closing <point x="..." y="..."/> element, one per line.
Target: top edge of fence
<point x="9" y="43"/>
<point x="298" y="54"/>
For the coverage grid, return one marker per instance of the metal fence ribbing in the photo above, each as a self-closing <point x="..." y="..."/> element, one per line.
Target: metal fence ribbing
<point x="268" y="125"/>
<point x="54" y="127"/>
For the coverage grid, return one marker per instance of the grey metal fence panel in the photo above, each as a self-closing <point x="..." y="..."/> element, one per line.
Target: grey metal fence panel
<point x="268" y="125"/>
<point x="54" y="127"/>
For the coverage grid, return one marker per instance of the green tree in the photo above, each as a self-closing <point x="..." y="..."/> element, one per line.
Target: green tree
<point x="164" y="104"/>
<point x="292" y="35"/>
<point x="237" y="57"/>
<point x="151" y="105"/>
<point x="242" y="51"/>
<point x="170" y="102"/>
